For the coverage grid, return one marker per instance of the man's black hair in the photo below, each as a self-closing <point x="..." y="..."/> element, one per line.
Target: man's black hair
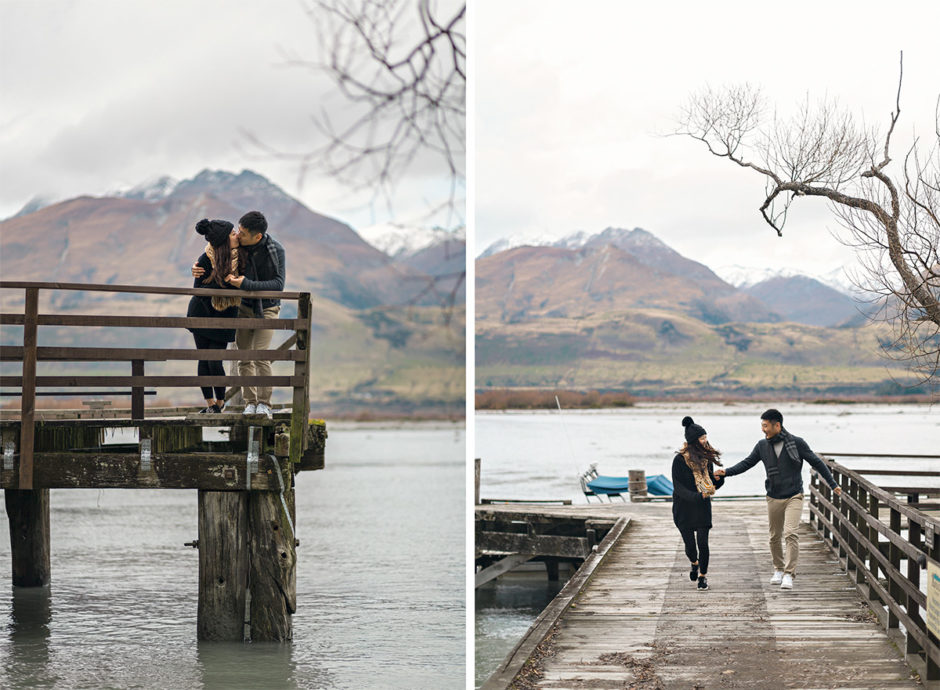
<point x="772" y="415"/>
<point x="254" y="222"/>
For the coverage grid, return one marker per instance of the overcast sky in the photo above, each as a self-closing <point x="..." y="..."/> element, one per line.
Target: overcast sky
<point x="97" y="95"/>
<point x="571" y="100"/>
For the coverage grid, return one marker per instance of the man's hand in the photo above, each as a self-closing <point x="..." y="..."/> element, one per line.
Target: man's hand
<point x="719" y="473"/>
<point x="234" y="280"/>
<point x="198" y="271"/>
<point x="837" y="491"/>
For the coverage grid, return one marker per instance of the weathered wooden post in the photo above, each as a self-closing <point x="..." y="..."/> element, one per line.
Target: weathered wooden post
<point x="28" y="513"/>
<point x="137" y="392"/>
<point x="476" y="481"/>
<point x="28" y="399"/>
<point x="272" y="571"/>
<point x="223" y="565"/>
<point x="637" y="485"/>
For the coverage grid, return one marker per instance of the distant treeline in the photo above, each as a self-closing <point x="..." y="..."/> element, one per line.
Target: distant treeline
<point x="528" y="399"/>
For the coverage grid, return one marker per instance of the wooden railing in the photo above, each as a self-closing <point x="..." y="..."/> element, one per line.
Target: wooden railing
<point x="873" y="549"/>
<point x="30" y="354"/>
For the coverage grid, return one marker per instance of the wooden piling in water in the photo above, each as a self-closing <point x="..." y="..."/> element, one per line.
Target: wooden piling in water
<point x="272" y="570"/>
<point x="223" y="565"/>
<point x="28" y="514"/>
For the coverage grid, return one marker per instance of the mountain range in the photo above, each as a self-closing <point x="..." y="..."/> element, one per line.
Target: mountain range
<point x="620" y="268"/>
<point x="378" y="315"/>
<point x="621" y="309"/>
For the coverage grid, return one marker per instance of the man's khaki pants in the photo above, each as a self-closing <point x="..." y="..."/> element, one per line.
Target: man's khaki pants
<point x="784" y="517"/>
<point x="255" y="339"/>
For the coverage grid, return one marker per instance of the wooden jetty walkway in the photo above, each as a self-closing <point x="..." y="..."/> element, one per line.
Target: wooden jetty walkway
<point x="245" y="482"/>
<point x="631" y="618"/>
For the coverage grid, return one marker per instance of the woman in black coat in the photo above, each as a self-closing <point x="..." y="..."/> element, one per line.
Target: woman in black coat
<point x="220" y="258"/>
<point x="694" y="483"/>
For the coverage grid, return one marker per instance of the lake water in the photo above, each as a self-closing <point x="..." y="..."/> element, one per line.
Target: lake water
<point x="380" y="581"/>
<point x="539" y="455"/>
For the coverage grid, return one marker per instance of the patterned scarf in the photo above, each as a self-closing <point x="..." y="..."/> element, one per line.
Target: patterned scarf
<point x="789" y="444"/>
<point x="223" y="303"/>
<point x="703" y="482"/>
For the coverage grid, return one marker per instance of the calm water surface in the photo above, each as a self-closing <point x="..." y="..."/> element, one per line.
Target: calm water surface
<point x="380" y="581"/>
<point x="539" y="455"/>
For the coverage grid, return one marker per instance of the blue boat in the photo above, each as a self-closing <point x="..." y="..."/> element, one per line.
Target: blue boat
<point x="593" y="484"/>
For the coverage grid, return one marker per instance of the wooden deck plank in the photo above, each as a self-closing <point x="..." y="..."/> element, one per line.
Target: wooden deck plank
<point x="641" y="621"/>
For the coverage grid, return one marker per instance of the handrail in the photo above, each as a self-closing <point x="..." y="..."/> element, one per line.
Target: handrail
<point x="30" y="354"/>
<point x="851" y="525"/>
<point x="151" y="289"/>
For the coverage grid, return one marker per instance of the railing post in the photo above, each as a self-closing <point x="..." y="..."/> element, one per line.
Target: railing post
<point x="843" y="518"/>
<point x="894" y="555"/>
<point x="137" y="392"/>
<point x="933" y="665"/>
<point x="913" y="576"/>
<point x="875" y="546"/>
<point x="28" y="401"/>
<point x="301" y="401"/>
<point x="861" y="497"/>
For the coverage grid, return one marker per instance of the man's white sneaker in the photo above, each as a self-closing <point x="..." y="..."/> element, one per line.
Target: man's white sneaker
<point x="263" y="409"/>
<point x="787" y="582"/>
<point x="777" y="578"/>
<point x="250" y="409"/>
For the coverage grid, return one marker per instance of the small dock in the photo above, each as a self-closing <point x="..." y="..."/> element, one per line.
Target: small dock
<point x="631" y="618"/>
<point x="243" y="478"/>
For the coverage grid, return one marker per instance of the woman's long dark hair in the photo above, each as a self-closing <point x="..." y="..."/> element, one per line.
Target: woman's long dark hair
<point x="222" y="265"/>
<point x="700" y="454"/>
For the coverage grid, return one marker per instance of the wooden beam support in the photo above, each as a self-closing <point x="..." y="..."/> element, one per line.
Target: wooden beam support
<point x="272" y="571"/>
<point x="542" y="545"/>
<point x="210" y="471"/>
<point x="28" y="513"/>
<point x="501" y="567"/>
<point x="223" y="565"/>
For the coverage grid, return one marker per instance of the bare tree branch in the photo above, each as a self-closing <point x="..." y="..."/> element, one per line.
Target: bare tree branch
<point x="821" y="152"/>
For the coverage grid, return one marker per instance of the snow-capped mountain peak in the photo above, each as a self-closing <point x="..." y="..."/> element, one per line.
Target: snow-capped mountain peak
<point x="748" y="276"/>
<point x="397" y="240"/>
<point x="151" y="190"/>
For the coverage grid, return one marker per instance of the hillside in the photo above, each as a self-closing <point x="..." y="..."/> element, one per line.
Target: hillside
<point x="380" y="340"/>
<point x="805" y="300"/>
<point x="537" y="282"/>
<point x="618" y="311"/>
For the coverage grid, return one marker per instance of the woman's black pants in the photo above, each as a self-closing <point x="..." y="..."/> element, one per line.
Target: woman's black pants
<point x="212" y="368"/>
<point x="693" y="538"/>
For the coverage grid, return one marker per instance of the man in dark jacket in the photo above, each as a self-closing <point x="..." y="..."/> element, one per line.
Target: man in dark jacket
<point x="783" y="455"/>
<point x="263" y="268"/>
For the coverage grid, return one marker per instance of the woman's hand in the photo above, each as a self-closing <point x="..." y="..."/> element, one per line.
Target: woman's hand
<point x="234" y="280"/>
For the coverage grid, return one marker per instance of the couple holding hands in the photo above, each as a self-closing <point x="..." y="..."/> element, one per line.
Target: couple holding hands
<point x="695" y="480"/>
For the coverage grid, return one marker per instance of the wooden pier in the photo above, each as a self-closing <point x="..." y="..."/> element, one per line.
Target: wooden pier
<point x="244" y="483"/>
<point x="631" y="618"/>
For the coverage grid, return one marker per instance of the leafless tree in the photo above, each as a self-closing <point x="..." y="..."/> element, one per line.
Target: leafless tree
<point x="890" y="215"/>
<point x="400" y="67"/>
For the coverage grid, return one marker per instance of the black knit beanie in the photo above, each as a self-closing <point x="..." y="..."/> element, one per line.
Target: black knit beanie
<point x="215" y="231"/>
<point x="693" y="432"/>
